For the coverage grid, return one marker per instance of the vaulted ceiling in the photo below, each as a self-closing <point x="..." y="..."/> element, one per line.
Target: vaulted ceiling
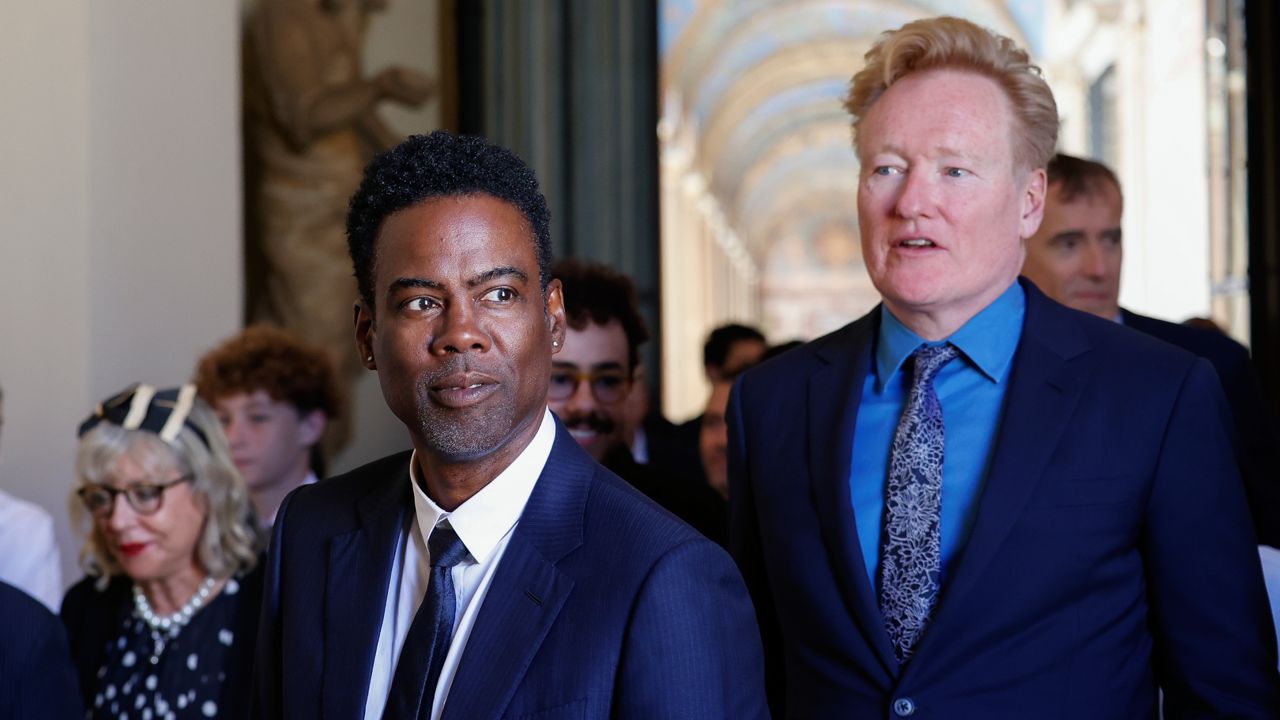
<point x="761" y="83"/>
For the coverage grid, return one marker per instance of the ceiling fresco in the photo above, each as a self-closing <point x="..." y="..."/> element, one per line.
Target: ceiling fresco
<point x="761" y="82"/>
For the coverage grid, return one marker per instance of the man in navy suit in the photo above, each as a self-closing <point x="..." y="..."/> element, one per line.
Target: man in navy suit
<point x="37" y="678"/>
<point x="1075" y="258"/>
<point x="974" y="502"/>
<point x="496" y="570"/>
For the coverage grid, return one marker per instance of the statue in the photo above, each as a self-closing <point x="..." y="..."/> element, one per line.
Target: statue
<point x="310" y="127"/>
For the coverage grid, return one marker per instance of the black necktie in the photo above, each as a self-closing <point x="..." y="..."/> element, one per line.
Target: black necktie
<point x="414" y="685"/>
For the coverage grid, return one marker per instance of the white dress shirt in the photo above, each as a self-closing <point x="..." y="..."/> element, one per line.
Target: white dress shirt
<point x="484" y="523"/>
<point x="28" y="552"/>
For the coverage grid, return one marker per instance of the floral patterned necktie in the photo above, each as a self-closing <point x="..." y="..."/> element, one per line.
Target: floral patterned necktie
<point x="911" y="558"/>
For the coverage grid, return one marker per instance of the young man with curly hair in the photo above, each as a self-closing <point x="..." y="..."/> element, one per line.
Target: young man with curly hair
<point x="274" y="394"/>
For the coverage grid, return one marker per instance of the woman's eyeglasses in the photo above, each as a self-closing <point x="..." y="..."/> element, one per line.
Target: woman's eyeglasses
<point x="144" y="498"/>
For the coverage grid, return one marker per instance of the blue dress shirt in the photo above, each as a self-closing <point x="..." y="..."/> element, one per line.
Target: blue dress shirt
<point x="970" y="388"/>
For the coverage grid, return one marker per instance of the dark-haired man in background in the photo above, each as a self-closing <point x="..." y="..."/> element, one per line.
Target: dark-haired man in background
<point x="496" y="570"/>
<point x="1076" y="256"/>
<point x="593" y="374"/>
<point x="728" y="350"/>
<point x="592" y="381"/>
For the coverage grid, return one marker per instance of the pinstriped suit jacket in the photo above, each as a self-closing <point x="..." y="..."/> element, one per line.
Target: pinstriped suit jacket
<point x="603" y="606"/>
<point x="37" y="677"/>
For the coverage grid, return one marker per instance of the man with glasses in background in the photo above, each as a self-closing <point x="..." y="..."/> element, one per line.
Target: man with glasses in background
<point x="594" y="374"/>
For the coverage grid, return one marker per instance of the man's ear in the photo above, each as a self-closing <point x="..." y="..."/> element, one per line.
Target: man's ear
<point x="365" y="334"/>
<point x="554" y="300"/>
<point x="1033" y="198"/>
<point x="311" y="427"/>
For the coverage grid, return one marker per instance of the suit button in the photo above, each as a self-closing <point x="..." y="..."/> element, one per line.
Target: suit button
<point x="904" y="707"/>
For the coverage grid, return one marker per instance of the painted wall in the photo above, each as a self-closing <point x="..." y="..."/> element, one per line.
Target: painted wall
<point x="120" y="214"/>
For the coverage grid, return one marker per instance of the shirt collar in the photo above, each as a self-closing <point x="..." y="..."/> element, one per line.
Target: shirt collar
<point x="486" y="517"/>
<point x="988" y="340"/>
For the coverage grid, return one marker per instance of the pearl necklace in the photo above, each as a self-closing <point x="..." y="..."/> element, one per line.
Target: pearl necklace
<point x="175" y="622"/>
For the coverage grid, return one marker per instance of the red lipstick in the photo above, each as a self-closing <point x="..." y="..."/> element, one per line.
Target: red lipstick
<point x="132" y="549"/>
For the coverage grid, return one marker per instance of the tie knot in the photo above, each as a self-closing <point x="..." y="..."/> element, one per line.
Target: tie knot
<point x="446" y="548"/>
<point x="929" y="360"/>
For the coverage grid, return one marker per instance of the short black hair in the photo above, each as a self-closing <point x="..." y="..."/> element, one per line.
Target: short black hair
<point x="597" y="293"/>
<point x="1078" y="177"/>
<point x="441" y="165"/>
<point x="716" y="349"/>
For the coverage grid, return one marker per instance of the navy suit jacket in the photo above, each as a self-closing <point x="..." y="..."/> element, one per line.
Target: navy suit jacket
<point x="1110" y="554"/>
<point x="603" y="605"/>
<point x="1259" y="445"/>
<point x="37" y="679"/>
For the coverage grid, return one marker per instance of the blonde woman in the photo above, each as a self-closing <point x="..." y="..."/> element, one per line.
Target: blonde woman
<point x="164" y="624"/>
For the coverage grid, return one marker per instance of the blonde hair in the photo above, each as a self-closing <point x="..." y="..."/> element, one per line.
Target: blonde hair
<point x="952" y="43"/>
<point x="228" y="543"/>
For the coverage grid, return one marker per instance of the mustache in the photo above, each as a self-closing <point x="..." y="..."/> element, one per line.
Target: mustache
<point x="590" y="420"/>
<point x="454" y="365"/>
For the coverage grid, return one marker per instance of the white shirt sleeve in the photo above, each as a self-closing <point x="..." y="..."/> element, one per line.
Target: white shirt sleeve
<point x="29" y="557"/>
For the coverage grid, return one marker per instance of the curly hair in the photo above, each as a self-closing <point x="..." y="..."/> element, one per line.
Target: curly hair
<point x="948" y="42"/>
<point x="228" y="544"/>
<point x="441" y="165"/>
<point x="276" y="361"/>
<point x="597" y="293"/>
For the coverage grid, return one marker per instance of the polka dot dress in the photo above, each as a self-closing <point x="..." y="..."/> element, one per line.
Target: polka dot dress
<point x="179" y="677"/>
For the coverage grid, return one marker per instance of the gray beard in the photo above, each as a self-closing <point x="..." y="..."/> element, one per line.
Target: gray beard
<point x="466" y="433"/>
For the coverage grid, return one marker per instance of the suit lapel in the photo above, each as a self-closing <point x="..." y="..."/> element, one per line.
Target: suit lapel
<point x="835" y="393"/>
<point x="355" y="594"/>
<point x="527" y="591"/>
<point x="1044" y="387"/>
